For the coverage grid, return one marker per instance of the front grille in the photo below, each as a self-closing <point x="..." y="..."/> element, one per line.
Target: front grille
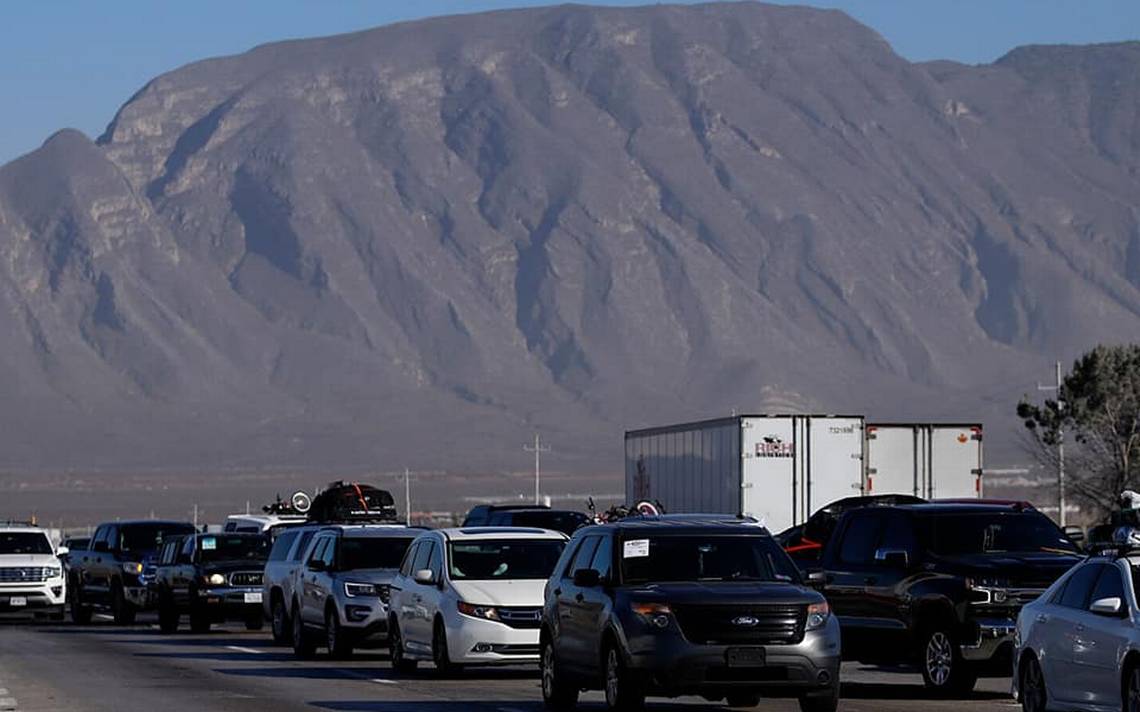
<point x="246" y="578"/>
<point x="521" y="617"/>
<point x="747" y="624"/>
<point x="23" y="574"/>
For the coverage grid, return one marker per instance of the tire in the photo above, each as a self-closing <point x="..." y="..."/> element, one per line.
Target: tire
<point x="122" y="609"/>
<point x="80" y="614"/>
<point x="557" y="692"/>
<point x="336" y="639"/>
<point x="622" y="691"/>
<point x="58" y="614"/>
<point x="167" y="615"/>
<point x="439" y="653"/>
<point x="303" y="646"/>
<point x="399" y="660"/>
<point x="822" y="703"/>
<point x="1131" y="691"/>
<point x="282" y="626"/>
<point x="742" y="699"/>
<point x="1031" y="687"/>
<point x="944" y="672"/>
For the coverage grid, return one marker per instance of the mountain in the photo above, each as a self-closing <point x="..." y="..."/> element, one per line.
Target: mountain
<point x="421" y="243"/>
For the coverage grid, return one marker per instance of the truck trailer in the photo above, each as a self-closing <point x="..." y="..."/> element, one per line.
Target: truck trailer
<point x="928" y="460"/>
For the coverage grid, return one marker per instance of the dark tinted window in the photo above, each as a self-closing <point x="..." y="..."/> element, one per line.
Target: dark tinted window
<point x="604" y="557"/>
<point x="1109" y="585"/>
<point x="566" y="522"/>
<point x="233" y="547"/>
<point x="280" y="549"/>
<point x="302" y="545"/>
<point x="964" y="533"/>
<point x="679" y="557"/>
<point x="1077" y="588"/>
<point x="423" y="554"/>
<point x="328" y="554"/>
<point x="898" y="534"/>
<point x="859" y="539"/>
<point x="318" y="551"/>
<point x="435" y="562"/>
<point x="585" y="554"/>
<point x="372" y="552"/>
<point x="24" y="543"/>
<point x="477" y="517"/>
<point x="143" y="538"/>
<point x="487" y="559"/>
<point x="409" y="558"/>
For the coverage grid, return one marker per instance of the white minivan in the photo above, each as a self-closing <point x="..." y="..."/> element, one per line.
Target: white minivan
<point x="471" y="596"/>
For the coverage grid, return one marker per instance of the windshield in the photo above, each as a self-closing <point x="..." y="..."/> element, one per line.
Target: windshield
<point x="565" y="522"/>
<point x="233" y="547"/>
<point x="505" y="559"/>
<point x="143" y="538"/>
<point x="24" y="543"/>
<point x="961" y="533"/>
<point x="372" y="552"/>
<point x="662" y="558"/>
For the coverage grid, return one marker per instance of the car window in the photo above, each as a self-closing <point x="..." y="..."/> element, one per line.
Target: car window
<point x="372" y="552"/>
<point x="584" y="555"/>
<point x="146" y="538"/>
<point x="100" y="537"/>
<point x="409" y="557"/>
<point x="604" y="557"/>
<point x="318" y="549"/>
<point x="422" y="556"/>
<point x="329" y="554"/>
<point x="1109" y="585"/>
<point x="281" y="547"/>
<point x="655" y="557"/>
<point x="230" y="526"/>
<point x="435" y="563"/>
<point x="24" y="543"/>
<point x="494" y="559"/>
<point x="898" y="534"/>
<point x="186" y="551"/>
<point x="302" y="546"/>
<point x="1079" y="585"/>
<point x="859" y="539"/>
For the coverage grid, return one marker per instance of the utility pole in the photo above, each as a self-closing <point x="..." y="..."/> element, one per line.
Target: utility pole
<point x="538" y="448"/>
<point x="407" y="498"/>
<point x="1060" y="445"/>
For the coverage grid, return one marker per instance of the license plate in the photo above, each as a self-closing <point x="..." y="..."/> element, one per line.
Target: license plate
<point x="253" y="597"/>
<point x="746" y="657"/>
<point x="17" y="601"/>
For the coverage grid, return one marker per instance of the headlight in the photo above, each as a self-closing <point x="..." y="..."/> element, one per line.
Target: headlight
<point x="133" y="567"/>
<point x="817" y="615"/>
<point x="656" y="614"/>
<point x="53" y="572"/>
<point x="353" y="589"/>
<point x="216" y="580"/>
<point x="487" y="613"/>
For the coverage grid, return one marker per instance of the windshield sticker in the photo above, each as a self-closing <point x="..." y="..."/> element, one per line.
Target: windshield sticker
<point x="209" y="544"/>
<point x="635" y="549"/>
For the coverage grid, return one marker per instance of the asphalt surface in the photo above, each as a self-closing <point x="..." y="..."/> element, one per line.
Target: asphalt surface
<point x="50" y="667"/>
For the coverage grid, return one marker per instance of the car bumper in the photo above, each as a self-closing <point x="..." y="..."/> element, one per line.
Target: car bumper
<point x="989" y="640"/>
<point x="366" y="620"/>
<point x="676" y="666"/>
<point x="473" y="641"/>
<point x="139" y="596"/>
<point x="35" y="601"/>
<point x="232" y="602"/>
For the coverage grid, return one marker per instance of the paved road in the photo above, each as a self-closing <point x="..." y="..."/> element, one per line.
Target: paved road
<point x="103" y="667"/>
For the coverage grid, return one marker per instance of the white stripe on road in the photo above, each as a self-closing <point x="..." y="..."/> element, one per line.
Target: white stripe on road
<point x="382" y="681"/>
<point x="366" y="678"/>
<point x="104" y="617"/>
<point x="240" y="649"/>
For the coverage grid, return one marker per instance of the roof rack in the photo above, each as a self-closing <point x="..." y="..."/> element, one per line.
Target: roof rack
<point x="18" y="523"/>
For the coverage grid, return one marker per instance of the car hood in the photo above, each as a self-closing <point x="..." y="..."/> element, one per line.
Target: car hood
<point x="1028" y="569"/>
<point x="517" y="592"/>
<point x="726" y="592"/>
<point x="22" y="560"/>
<point x="368" y="575"/>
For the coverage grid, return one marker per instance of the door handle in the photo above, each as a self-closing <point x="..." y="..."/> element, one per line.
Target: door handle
<point x="1042" y="618"/>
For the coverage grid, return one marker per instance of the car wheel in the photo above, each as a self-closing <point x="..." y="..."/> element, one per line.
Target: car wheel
<point x="167" y="615"/>
<point x="400" y="661"/>
<point x="944" y="671"/>
<point x="828" y="702"/>
<point x="557" y="693"/>
<point x="742" y="699"/>
<point x="335" y="638"/>
<point x="1032" y="687"/>
<point x="121" y="608"/>
<point x="1131" y="689"/>
<point x="303" y="646"/>
<point x="622" y="691"/>
<point x="282" y="626"/>
<point x="80" y="614"/>
<point x="439" y="653"/>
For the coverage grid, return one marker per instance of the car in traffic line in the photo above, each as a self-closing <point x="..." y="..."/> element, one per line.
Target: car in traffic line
<point x="106" y="575"/>
<point x="471" y="596"/>
<point x="342" y="590"/>
<point x="31" y="574"/>
<point x="211" y="577"/>
<point x="289" y="548"/>
<point x="1078" y="645"/>
<point x="683" y="605"/>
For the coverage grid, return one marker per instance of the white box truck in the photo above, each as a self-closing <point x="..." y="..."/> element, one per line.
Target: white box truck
<point x="777" y="468"/>
<point x="928" y="460"/>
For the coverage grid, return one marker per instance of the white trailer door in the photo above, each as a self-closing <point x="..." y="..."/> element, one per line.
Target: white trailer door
<point x="834" y="458"/>
<point x="769" y="482"/>
<point x="893" y="460"/>
<point x="955" y="461"/>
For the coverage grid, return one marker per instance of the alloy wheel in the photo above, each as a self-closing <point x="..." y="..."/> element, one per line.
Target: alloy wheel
<point x="1032" y="688"/>
<point x="613" y="678"/>
<point x="939" y="658"/>
<point x="1132" y="704"/>
<point x="548" y="670"/>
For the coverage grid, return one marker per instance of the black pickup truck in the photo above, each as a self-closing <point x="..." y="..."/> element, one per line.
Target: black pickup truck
<point x="106" y="575"/>
<point x="212" y="578"/>
<point x="939" y="585"/>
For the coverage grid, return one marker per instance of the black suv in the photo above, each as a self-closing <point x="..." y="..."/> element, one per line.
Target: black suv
<point x="211" y="577"/>
<point x="805" y="542"/>
<point x="684" y="605"/>
<point x="480" y="515"/>
<point x="566" y="521"/>
<point x="939" y="585"/>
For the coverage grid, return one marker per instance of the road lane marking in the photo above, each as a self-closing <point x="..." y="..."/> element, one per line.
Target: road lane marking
<point x="382" y="681"/>
<point x="368" y="678"/>
<point x="240" y="649"/>
<point x="104" y="617"/>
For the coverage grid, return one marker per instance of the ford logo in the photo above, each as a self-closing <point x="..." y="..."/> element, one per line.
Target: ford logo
<point x="745" y="621"/>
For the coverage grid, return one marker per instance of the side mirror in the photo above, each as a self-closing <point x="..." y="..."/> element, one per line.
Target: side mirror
<point x="892" y="558"/>
<point x="587" y="578"/>
<point x="425" y="577"/>
<point x="1107" y="606"/>
<point x="62" y="551"/>
<point x="317" y="565"/>
<point x="816" y="579"/>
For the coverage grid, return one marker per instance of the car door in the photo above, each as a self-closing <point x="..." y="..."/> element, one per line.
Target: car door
<point x="884" y="604"/>
<point x="849" y="571"/>
<point x="309" y="591"/>
<point x="596" y="605"/>
<point x="571" y="599"/>
<point x="417" y="629"/>
<point x="1059" y="632"/>
<point x="433" y="595"/>
<point x="400" y="593"/>
<point x="290" y="583"/>
<point x="102" y="565"/>
<point x="86" y="562"/>
<point x="1100" y="640"/>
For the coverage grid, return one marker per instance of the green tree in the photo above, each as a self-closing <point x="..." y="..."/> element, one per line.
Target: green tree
<point x="1098" y="411"/>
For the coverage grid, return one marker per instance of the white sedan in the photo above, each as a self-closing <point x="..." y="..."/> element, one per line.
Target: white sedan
<point x="471" y="596"/>
<point x="1077" y="647"/>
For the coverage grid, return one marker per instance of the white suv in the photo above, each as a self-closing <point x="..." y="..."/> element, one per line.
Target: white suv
<point x="471" y="596"/>
<point x="31" y="574"/>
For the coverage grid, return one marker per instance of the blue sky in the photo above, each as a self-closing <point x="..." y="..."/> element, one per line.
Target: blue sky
<point x="74" y="62"/>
